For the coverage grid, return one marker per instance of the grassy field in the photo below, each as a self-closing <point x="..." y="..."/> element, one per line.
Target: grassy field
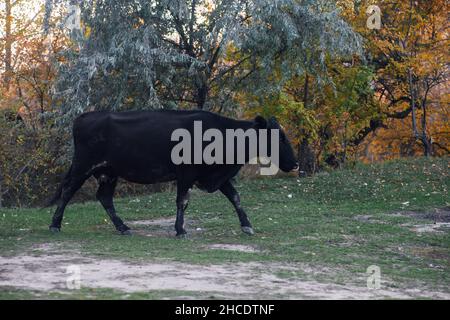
<point x="334" y="225"/>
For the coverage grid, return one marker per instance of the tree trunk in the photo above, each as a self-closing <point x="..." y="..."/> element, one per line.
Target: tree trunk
<point x="306" y="156"/>
<point x="427" y="144"/>
<point x="306" y="159"/>
<point x="202" y="94"/>
<point x="8" y="44"/>
<point x="423" y="136"/>
<point x="413" y="105"/>
<point x="1" y="189"/>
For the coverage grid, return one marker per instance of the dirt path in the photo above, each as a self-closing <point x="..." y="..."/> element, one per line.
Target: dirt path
<point x="47" y="272"/>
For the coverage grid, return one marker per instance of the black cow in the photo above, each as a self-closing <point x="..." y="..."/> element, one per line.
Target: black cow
<point x="136" y="146"/>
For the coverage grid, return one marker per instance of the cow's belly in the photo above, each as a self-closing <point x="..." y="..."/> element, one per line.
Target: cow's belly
<point x="143" y="170"/>
<point x="146" y="176"/>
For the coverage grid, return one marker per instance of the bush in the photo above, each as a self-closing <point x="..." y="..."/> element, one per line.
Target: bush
<point x="33" y="160"/>
<point x="30" y="161"/>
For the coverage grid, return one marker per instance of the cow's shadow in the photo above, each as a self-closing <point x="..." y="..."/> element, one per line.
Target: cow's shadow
<point x="164" y="227"/>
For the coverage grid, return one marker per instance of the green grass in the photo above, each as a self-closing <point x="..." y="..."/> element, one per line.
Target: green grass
<point x="309" y="220"/>
<point x="95" y="293"/>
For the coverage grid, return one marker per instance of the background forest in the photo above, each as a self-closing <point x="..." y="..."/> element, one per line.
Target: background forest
<point x="345" y="89"/>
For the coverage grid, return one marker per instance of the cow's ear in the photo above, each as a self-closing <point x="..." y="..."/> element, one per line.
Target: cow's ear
<point x="260" y="123"/>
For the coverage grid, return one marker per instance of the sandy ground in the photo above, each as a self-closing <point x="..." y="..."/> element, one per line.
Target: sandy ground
<point x="48" y="272"/>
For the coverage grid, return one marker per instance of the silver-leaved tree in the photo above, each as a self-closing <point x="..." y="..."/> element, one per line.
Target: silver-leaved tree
<point x="147" y="54"/>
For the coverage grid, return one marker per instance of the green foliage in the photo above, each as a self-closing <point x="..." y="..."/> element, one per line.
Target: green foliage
<point x="335" y="112"/>
<point x="151" y="54"/>
<point x="292" y="114"/>
<point x="351" y="105"/>
<point x="30" y="162"/>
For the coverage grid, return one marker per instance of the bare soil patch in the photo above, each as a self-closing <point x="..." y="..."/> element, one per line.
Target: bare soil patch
<point x="436" y="215"/>
<point x="436" y="220"/>
<point x="439" y="227"/>
<point x="47" y="271"/>
<point x="233" y="247"/>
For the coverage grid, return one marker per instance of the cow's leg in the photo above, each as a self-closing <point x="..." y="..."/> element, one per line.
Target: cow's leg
<point x="75" y="178"/>
<point x="230" y="192"/>
<point x="105" y="193"/>
<point x="70" y="186"/>
<point x="182" y="203"/>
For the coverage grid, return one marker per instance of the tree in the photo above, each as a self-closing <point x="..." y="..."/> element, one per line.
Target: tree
<point x="323" y="120"/>
<point x="19" y="20"/>
<point x="410" y="56"/>
<point x="191" y="53"/>
<point x="8" y="44"/>
<point x="25" y="98"/>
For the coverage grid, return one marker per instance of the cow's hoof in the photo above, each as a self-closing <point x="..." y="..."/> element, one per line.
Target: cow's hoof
<point x="54" y="229"/>
<point x="126" y="232"/>
<point x="248" y="230"/>
<point x="181" y="235"/>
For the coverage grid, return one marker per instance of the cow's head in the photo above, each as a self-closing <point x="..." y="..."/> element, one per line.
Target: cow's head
<point x="286" y="154"/>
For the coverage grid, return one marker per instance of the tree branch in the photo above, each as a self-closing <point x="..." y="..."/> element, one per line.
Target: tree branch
<point x="441" y="147"/>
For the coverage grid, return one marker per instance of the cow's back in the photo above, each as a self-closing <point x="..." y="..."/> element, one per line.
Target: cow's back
<point x="137" y="144"/>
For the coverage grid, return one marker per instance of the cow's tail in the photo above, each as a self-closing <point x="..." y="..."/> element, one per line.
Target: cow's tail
<point x="58" y="192"/>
